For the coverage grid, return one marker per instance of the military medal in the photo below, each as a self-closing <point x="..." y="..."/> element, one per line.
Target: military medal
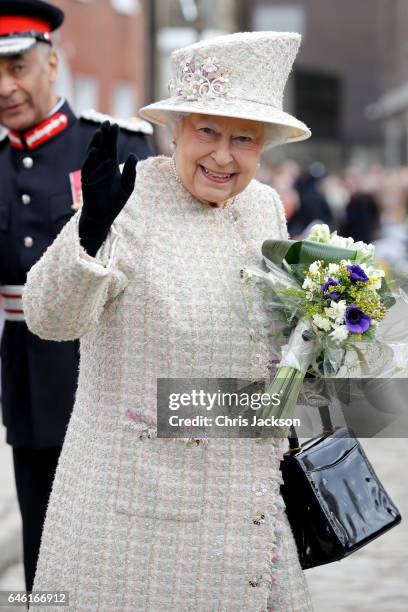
<point x="76" y="189"/>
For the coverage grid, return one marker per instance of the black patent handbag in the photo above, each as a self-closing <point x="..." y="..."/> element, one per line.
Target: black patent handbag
<point x="334" y="500"/>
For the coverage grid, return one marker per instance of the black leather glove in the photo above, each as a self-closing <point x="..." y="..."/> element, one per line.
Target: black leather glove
<point x="105" y="190"/>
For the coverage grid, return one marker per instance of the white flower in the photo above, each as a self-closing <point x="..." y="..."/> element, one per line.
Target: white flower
<point x="309" y="295"/>
<point x="321" y="322"/>
<point x="376" y="285"/>
<point x="319" y="233"/>
<point x="366" y="268"/>
<point x="339" y="333"/>
<point x="367" y="250"/>
<point x="341" y="241"/>
<point x="336" y="310"/>
<point x="314" y="267"/>
<point x="332" y="269"/>
<point x="373" y="273"/>
<point x="310" y="284"/>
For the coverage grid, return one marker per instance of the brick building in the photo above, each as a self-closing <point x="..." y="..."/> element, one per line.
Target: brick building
<point x="104" y="54"/>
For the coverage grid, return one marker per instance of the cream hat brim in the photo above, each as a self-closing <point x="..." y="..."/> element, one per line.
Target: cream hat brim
<point x="158" y="113"/>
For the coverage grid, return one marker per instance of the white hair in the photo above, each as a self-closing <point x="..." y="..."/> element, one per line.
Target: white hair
<point x="173" y="121"/>
<point x="274" y="134"/>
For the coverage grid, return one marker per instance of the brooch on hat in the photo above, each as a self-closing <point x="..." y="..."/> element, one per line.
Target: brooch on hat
<point x="200" y="79"/>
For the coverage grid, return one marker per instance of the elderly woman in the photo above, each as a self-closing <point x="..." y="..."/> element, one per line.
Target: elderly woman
<point x="153" y="289"/>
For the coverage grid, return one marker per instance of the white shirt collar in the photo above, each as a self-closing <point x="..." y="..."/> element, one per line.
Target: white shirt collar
<point x="56" y="108"/>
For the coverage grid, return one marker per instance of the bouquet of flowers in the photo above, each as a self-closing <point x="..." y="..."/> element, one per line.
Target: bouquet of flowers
<point x="331" y="294"/>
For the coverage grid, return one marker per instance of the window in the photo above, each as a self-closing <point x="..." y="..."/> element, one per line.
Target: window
<point x="86" y="93"/>
<point x="126" y="7"/>
<point x="289" y="18"/>
<point x="123" y="100"/>
<point x="318" y="102"/>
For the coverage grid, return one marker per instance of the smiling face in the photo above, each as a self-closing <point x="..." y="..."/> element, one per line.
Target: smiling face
<point x="27" y="87"/>
<point x="216" y="157"/>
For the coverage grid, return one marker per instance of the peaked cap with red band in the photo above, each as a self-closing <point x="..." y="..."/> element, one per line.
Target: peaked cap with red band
<point x="24" y="23"/>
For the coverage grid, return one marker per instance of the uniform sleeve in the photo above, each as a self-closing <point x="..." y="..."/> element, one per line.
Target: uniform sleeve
<point x="67" y="289"/>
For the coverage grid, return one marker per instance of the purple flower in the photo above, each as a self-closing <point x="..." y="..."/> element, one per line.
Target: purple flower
<point x="331" y="282"/>
<point x="357" y="322"/>
<point x="357" y="274"/>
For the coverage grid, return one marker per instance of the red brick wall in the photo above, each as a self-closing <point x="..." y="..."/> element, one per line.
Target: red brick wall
<point x="102" y="43"/>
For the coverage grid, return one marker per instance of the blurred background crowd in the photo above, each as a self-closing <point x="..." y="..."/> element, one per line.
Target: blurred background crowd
<point x="350" y="86"/>
<point x="367" y="203"/>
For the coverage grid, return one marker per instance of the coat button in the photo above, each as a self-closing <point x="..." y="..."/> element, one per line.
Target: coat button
<point x="28" y="162"/>
<point x="193" y="442"/>
<point x="25" y="198"/>
<point x="258" y="518"/>
<point x="28" y="242"/>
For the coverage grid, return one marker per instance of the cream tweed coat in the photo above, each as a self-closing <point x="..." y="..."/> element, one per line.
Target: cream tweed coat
<point x="135" y="522"/>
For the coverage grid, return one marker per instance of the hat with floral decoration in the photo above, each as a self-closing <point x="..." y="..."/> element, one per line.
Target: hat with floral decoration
<point x="240" y="75"/>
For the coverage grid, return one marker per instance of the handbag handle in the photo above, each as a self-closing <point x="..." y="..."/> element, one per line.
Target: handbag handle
<point x="327" y="428"/>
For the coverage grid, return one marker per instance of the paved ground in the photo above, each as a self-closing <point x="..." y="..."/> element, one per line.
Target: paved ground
<point x="375" y="578"/>
<point x="372" y="580"/>
<point x="11" y="569"/>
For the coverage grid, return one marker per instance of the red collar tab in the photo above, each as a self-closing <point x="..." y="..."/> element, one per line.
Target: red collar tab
<point x="14" y="24"/>
<point x="42" y="132"/>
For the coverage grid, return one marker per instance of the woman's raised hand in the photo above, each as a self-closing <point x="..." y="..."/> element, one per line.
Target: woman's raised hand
<point x="105" y="190"/>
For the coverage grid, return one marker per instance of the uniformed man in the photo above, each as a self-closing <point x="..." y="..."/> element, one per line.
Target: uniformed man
<point x="40" y="189"/>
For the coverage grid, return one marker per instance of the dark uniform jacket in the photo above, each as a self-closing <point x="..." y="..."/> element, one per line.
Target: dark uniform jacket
<point x="37" y="198"/>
